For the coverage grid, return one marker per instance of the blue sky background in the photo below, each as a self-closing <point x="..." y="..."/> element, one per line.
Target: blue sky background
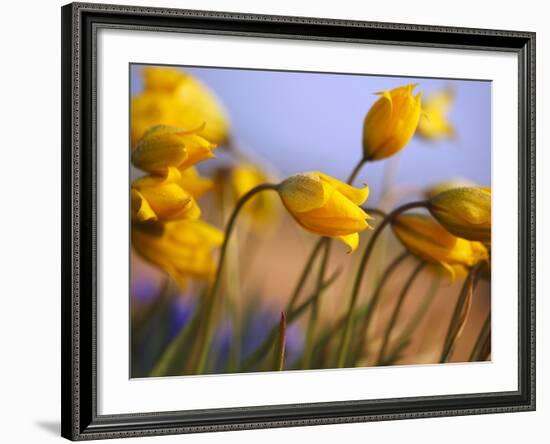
<point x="308" y="121"/>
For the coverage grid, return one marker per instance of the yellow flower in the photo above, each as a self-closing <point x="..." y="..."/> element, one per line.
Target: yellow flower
<point x="391" y="122"/>
<point x="465" y="212"/>
<point x="162" y="79"/>
<point x="434" y="123"/>
<point x="262" y="207"/>
<point x="326" y="206"/>
<point x="192" y="182"/>
<point x="173" y="97"/>
<point x="446" y="185"/>
<point x="182" y="249"/>
<point x="162" y="198"/>
<point x="426" y="238"/>
<point x="163" y="146"/>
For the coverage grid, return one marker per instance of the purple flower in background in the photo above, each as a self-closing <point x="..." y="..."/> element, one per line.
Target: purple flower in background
<point x="143" y="289"/>
<point x="223" y="339"/>
<point x="181" y="311"/>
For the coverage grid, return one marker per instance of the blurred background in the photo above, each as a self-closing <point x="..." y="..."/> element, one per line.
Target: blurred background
<point x="286" y="118"/>
<point x="293" y="122"/>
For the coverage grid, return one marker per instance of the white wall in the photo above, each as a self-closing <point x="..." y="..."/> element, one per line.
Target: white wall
<point x="30" y="218"/>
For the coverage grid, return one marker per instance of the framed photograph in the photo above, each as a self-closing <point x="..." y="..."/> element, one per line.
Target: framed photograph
<point x="280" y="221"/>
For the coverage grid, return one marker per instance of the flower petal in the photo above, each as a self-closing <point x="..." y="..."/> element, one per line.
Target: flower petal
<point x="141" y="210"/>
<point x="191" y="181"/>
<point x="351" y="240"/>
<point x="357" y="195"/>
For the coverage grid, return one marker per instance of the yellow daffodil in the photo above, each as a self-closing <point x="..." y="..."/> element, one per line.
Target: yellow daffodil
<point x="326" y="206"/>
<point x="434" y="124"/>
<point x="163" y="146"/>
<point x="175" y="98"/>
<point x="262" y="207"/>
<point x="465" y="212"/>
<point x="162" y="198"/>
<point x="391" y="122"/>
<point x="182" y="248"/>
<point x="424" y="237"/>
<point x="446" y="185"/>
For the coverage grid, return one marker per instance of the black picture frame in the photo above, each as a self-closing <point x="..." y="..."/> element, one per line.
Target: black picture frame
<point x="80" y="22"/>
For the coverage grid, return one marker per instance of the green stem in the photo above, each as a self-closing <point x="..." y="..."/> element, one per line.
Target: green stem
<point x="373" y="303"/>
<point x="460" y="313"/>
<point x="481" y="340"/>
<point x="264" y="347"/>
<point x="422" y="310"/>
<point x="310" y="335"/>
<point x="305" y="273"/>
<point x="279" y="357"/>
<point x="485" y="351"/>
<point x="404" y="339"/>
<point x="140" y="326"/>
<point x="356" y="170"/>
<point x="376" y="211"/>
<point x="397" y="309"/>
<point x="344" y="346"/>
<point x="261" y="351"/>
<point x="204" y="343"/>
<point x="168" y="362"/>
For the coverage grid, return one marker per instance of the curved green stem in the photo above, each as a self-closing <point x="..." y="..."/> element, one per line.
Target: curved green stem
<point x="139" y="326"/>
<point x="356" y="170"/>
<point x="310" y="335"/>
<point x="279" y="357"/>
<point x="168" y="362"/>
<point x="397" y="309"/>
<point x="460" y="314"/>
<point x="305" y="273"/>
<point x="373" y="303"/>
<point x="404" y="339"/>
<point x="211" y="300"/>
<point x="376" y="211"/>
<point x="265" y="346"/>
<point x="344" y="346"/>
<point x="484" y="334"/>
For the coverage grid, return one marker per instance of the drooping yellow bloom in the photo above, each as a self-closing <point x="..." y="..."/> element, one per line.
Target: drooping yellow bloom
<point x="174" y="97"/>
<point x="426" y="238"/>
<point x="182" y="249"/>
<point x="391" y="122"/>
<point x="262" y="207"/>
<point x="446" y="185"/>
<point x="465" y="212"/>
<point x="163" y="146"/>
<point x="326" y="206"/>
<point x="434" y="123"/>
<point x="162" y="198"/>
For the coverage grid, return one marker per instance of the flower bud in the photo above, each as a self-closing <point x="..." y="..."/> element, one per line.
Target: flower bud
<point x="182" y="249"/>
<point x="326" y="206"/>
<point x="427" y="239"/>
<point x="163" y="147"/>
<point x="465" y="212"/>
<point x="446" y="185"/>
<point x="391" y="122"/>
<point x="162" y="199"/>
